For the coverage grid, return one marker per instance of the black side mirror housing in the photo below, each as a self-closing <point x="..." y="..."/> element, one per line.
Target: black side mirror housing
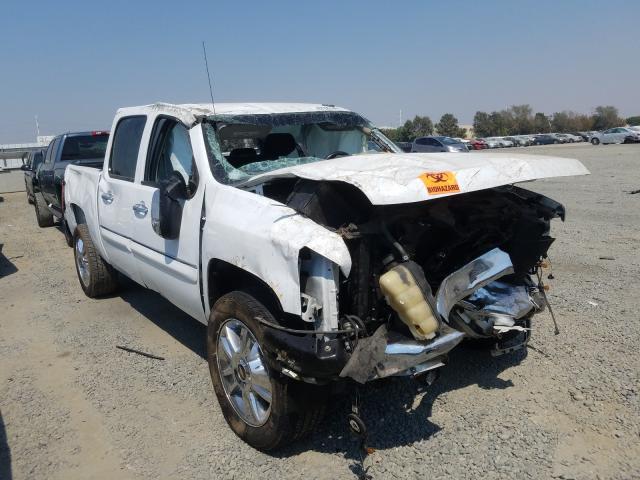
<point x="25" y="167"/>
<point x="173" y="193"/>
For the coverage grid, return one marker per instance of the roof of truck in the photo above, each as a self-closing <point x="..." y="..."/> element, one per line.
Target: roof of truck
<point x="189" y="112"/>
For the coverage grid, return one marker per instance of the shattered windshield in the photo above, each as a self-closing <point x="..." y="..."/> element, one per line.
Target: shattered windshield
<point x="241" y="146"/>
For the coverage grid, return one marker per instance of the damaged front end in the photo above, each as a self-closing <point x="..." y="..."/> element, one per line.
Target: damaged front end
<point x="424" y="276"/>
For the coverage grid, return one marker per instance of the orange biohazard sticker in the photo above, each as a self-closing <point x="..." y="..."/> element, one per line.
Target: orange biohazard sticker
<point x="438" y="183"/>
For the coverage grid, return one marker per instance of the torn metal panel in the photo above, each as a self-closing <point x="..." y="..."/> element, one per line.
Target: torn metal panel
<point x="388" y="353"/>
<point x="474" y="275"/>
<point x="264" y="238"/>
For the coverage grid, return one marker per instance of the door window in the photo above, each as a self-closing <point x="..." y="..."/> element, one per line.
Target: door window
<point x="36" y="160"/>
<point x="125" y="147"/>
<point x="51" y="150"/>
<point x="170" y="151"/>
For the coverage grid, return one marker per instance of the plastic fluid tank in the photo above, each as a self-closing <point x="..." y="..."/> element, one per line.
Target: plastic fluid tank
<point x="404" y="295"/>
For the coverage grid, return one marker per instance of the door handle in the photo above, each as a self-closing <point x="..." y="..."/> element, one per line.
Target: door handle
<point x="140" y="209"/>
<point x="107" y="197"/>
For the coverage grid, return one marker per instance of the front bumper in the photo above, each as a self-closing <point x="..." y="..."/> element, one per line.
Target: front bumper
<point x="317" y="358"/>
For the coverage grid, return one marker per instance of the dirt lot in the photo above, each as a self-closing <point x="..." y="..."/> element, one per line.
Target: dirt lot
<point x="72" y="406"/>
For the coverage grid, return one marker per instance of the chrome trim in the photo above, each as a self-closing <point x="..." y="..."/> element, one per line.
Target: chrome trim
<point x="107" y="197"/>
<point x="140" y="210"/>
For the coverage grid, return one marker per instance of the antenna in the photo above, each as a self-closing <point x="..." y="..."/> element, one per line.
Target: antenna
<point x="37" y="128"/>
<point x="206" y="64"/>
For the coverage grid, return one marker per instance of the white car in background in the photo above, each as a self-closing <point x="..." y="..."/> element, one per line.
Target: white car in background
<point x="615" y="135"/>
<point x="491" y="143"/>
<point x="502" y="142"/>
<point x="574" y="138"/>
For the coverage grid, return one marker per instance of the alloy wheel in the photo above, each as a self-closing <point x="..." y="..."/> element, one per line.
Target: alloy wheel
<point x="244" y="376"/>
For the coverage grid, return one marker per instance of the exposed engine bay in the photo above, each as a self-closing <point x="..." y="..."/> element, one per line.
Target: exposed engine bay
<point x="424" y="276"/>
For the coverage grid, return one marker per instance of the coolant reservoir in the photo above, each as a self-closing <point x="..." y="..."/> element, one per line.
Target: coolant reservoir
<point x="403" y="293"/>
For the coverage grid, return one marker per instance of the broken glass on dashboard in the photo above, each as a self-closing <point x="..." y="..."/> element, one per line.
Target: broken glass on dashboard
<point x="241" y="146"/>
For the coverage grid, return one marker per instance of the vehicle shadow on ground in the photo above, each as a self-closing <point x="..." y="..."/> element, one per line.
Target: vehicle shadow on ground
<point x="6" y="266"/>
<point x="5" y="453"/>
<point x="393" y="414"/>
<point x="184" y="328"/>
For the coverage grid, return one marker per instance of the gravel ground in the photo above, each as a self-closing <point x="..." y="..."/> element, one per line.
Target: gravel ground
<point x="74" y="406"/>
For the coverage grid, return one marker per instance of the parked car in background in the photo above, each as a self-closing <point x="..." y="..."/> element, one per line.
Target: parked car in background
<point x="438" y="144"/>
<point x="568" y="137"/>
<point x="79" y="148"/>
<point x="502" y="141"/>
<point x="573" y="138"/>
<point x="491" y="143"/>
<point x="404" y="146"/>
<point x="525" y="140"/>
<point x="34" y="160"/>
<point x="517" y="141"/>
<point x="615" y="135"/>
<point x="477" y="144"/>
<point x="545" y="139"/>
<point x="560" y="137"/>
<point x="312" y="268"/>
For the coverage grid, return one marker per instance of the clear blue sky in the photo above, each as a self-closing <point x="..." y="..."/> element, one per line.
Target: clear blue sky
<point x="74" y="63"/>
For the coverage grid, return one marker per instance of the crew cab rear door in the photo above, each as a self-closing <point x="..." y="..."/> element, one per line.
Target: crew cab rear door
<point x="169" y="266"/>
<point x="117" y="194"/>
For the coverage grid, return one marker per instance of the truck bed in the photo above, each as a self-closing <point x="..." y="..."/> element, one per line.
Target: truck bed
<point x="81" y="190"/>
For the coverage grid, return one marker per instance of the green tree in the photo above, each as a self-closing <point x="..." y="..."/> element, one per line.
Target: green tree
<point x="541" y="123"/>
<point x="482" y="124"/>
<point x="448" y="126"/>
<point x="412" y="129"/>
<point x="501" y="123"/>
<point x="633" y="121"/>
<point x="522" y="119"/>
<point x="391" y="134"/>
<point x="606" y="117"/>
<point x="568" y="121"/>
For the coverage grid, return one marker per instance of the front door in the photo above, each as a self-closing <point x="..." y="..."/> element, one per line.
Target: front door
<point x="169" y="266"/>
<point x="117" y="195"/>
<point x="46" y="174"/>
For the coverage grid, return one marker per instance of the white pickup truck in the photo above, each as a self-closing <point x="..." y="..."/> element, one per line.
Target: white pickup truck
<point x="312" y="247"/>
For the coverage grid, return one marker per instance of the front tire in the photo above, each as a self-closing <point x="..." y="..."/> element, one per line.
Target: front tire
<point x="43" y="215"/>
<point x="97" y="278"/>
<point x="263" y="407"/>
<point x="595" y="141"/>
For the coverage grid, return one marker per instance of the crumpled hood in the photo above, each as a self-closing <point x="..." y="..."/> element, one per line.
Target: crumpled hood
<point x="393" y="178"/>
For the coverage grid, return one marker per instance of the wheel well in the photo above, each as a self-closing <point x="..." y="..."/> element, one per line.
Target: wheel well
<point x="78" y="214"/>
<point x="224" y="277"/>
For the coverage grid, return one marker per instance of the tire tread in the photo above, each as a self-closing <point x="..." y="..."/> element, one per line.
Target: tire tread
<point x="103" y="277"/>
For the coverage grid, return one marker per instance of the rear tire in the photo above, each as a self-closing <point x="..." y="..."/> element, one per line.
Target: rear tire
<point x="294" y="408"/>
<point x="43" y="215"/>
<point x="595" y="141"/>
<point x="97" y="278"/>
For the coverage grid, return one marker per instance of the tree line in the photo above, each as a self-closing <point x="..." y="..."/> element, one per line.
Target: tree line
<point x="515" y="120"/>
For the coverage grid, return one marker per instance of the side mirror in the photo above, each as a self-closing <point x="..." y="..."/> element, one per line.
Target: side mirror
<point x="25" y="167"/>
<point x="173" y="193"/>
